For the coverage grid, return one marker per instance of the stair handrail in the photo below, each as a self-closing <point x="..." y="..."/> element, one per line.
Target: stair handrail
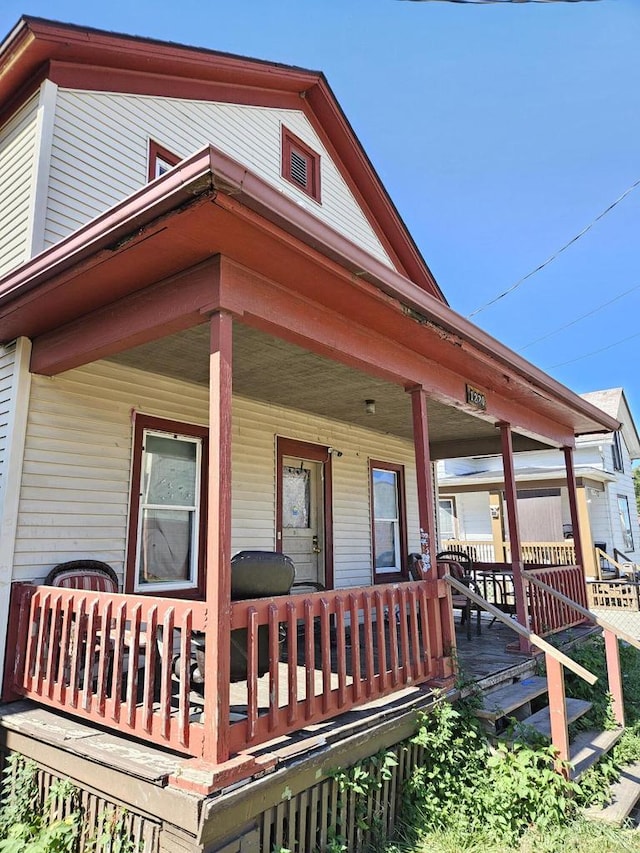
<point x="534" y="639"/>
<point x="600" y="553"/>
<point x="555" y="660"/>
<point x="617" y="553"/>
<point x="589" y="614"/>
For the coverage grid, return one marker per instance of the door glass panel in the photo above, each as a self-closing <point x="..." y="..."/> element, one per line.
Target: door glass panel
<point x="296" y="497"/>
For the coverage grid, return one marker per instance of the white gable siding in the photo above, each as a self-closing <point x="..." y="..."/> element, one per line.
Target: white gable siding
<point x="474" y="515"/>
<point x="7" y="363"/>
<point x="17" y="170"/>
<point x="75" y="488"/>
<point x="100" y="150"/>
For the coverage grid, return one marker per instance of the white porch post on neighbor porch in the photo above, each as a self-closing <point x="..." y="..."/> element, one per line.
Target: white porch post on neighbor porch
<point x="522" y="609"/>
<point x="573" y="507"/>
<point x="218" y="564"/>
<point x="444" y="635"/>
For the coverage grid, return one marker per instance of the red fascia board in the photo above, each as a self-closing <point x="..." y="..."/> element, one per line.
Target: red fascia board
<point x="211" y="171"/>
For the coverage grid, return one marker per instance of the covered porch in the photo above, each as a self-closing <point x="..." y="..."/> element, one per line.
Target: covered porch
<point x="204" y="300"/>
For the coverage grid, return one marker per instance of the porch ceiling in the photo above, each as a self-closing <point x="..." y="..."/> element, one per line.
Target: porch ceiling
<point x="274" y="371"/>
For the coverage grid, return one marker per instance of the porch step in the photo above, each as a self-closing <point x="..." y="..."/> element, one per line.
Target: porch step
<point x="541" y="720"/>
<point x="625" y="793"/>
<point x="588" y="747"/>
<point x="507" y="699"/>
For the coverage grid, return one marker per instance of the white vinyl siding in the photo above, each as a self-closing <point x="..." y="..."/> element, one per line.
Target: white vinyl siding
<point x="75" y="489"/>
<point x="7" y="364"/>
<point x="100" y="148"/>
<point x="17" y="171"/>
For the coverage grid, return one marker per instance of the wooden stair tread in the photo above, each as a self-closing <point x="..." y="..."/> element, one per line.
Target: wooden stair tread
<point x="541" y="720"/>
<point x="624" y="795"/>
<point x="589" y="746"/>
<point x="502" y="702"/>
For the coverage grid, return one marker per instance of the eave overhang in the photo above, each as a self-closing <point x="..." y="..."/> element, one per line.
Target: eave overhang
<point x="209" y="205"/>
<point x="83" y="57"/>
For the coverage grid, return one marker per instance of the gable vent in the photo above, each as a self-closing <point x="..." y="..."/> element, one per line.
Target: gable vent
<point x="298" y="169"/>
<point x="300" y="165"/>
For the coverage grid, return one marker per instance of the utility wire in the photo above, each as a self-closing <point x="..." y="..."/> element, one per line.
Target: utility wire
<point x="595" y="351"/>
<point x="555" y="254"/>
<point x="578" y="319"/>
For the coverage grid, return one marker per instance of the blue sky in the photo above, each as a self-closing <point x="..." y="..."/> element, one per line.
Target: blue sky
<point x="500" y="131"/>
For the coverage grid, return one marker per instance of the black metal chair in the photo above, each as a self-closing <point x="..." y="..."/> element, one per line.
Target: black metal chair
<point x="460" y="567"/>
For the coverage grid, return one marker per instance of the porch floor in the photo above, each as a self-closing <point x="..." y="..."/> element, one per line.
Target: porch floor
<point x="484" y="660"/>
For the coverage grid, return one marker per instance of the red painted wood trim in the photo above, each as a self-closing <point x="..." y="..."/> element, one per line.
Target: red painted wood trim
<point x="514" y="530"/>
<point x="557" y="708"/>
<point x="90" y="77"/>
<point x="166" y="307"/>
<point x="140" y="423"/>
<point x="426" y="505"/>
<point x="290" y="143"/>
<point x="573" y="505"/>
<point x="614" y="675"/>
<point x="218" y="576"/>
<point x="313" y="453"/>
<point x="403" y="574"/>
<point x="156" y="152"/>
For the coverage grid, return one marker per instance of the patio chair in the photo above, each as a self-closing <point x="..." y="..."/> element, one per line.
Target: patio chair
<point x="90" y="575"/>
<point x="460" y="566"/>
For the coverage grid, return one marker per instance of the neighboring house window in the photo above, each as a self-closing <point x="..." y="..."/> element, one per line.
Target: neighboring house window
<point x="160" y="160"/>
<point x="388" y="521"/>
<point x="625" y="522"/>
<point x="616" y="451"/>
<point x="447" y="518"/>
<point x="168" y="507"/>
<point x="300" y="164"/>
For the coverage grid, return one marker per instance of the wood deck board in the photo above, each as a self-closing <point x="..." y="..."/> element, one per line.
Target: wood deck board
<point x="590" y="746"/>
<point x="624" y="795"/>
<point x="153" y="764"/>
<point x="503" y="701"/>
<point x="541" y="720"/>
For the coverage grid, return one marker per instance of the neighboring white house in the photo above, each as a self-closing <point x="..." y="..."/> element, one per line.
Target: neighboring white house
<point x="471" y="501"/>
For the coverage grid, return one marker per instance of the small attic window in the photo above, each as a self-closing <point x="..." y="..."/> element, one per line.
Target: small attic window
<point x="160" y="160"/>
<point x="300" y="165"/>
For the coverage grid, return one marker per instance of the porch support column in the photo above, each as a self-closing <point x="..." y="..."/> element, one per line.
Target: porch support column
<point x="218" y="566"/>
<point x="573" y="506"/>
<point x="497" y="528"/>
<point x="522" y="610"/>
<point x="591" y="562"/>
<point x="426" y="515"/>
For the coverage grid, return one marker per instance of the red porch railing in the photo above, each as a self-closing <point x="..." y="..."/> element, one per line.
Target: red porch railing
<point x="331" y="651"/>
<point x="107" y="658"/>
<point x="548" y="613"/>
<point x="126" y="661"/>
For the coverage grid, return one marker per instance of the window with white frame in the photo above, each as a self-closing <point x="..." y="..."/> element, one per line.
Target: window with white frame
<point x="625" y="522"/>
<point x="388" y="520"/>
<point x="166" y="542"/>
<point x="447" y="518"/>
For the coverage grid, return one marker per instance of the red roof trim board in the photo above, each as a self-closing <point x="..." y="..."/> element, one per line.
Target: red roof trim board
<point x="199" y="178"/>
<point x="84" y="57"/>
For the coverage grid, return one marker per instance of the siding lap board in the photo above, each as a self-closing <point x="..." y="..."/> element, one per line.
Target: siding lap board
<point x="99" y="155"/>
<point x="75" y="487"/>
<point x="17" y="171"/>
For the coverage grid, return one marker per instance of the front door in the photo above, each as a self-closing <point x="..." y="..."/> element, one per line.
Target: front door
<point x="304" y="472"/>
